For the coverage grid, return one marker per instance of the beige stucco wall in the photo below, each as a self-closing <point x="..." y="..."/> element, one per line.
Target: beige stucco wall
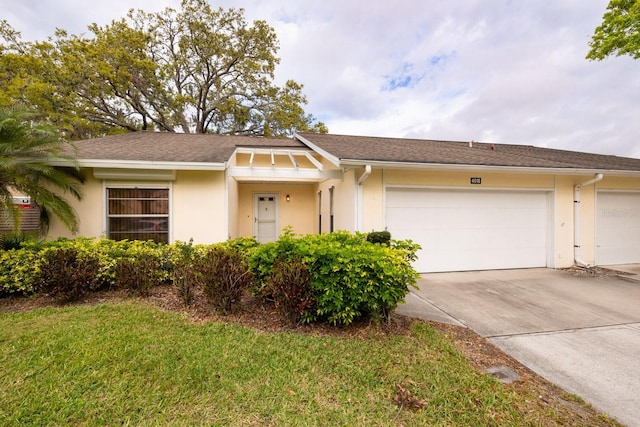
<point x="300" y="212"/>
<point x="373" y="202"/>
<point x="232" y="202"/>
<point x="198" y="203"/>
<point x="90" y="211"/>
<point x="344" y="202"/>
<point x="199" y="207"/>
<point x="462" y="179"/>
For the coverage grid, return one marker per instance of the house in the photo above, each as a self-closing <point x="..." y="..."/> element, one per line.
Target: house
<point x="470" y="205"/>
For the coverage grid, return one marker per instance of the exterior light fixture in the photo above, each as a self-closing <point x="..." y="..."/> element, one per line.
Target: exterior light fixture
<point x="288" y="197"/>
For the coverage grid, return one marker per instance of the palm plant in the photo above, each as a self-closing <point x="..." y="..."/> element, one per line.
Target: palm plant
<point x="28" y="151"/>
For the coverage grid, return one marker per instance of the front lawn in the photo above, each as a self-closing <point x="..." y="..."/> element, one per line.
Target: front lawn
<point x="129" y="363"/>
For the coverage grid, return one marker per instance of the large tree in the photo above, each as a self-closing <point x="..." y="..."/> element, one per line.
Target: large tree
<point x="28" y="151"/>
<point x="194" y="70"/>
<point x="619" y="33"/>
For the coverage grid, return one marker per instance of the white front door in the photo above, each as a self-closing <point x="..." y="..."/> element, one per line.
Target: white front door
<point x="266" y="217"/>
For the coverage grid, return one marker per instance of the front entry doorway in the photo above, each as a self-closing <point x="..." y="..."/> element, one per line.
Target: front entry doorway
<point x="265" y="210"/>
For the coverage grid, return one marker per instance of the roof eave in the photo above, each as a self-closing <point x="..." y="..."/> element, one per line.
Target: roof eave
<point x="145" y="164"/>
<point x="487" y="168"/>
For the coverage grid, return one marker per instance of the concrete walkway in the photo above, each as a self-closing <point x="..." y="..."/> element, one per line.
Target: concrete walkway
<point x="578" y="331"/>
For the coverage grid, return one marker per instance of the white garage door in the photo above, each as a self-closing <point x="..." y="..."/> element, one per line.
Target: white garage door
<point x="618" y="228"/>
<point x="471" y="230"/>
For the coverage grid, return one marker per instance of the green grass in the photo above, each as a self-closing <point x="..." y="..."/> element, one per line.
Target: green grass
<point x="131" y="364"/>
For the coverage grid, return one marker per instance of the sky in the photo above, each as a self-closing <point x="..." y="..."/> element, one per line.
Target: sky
<point x="499" y="71"/>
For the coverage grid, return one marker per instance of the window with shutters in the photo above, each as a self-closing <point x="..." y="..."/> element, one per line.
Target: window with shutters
<point x="138" y="214"/>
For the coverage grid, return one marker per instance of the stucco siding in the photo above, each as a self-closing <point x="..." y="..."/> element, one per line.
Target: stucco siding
<point x="463" y="179"/>
<point x="232" y="203"/>
<point x="344" y="202"/>
<point x="373" y="202"/>
<point x="199" y="207"/>
<point x="90" y="211"/>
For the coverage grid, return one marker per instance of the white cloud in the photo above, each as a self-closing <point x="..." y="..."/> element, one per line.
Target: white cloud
<point x="506" y="71"/>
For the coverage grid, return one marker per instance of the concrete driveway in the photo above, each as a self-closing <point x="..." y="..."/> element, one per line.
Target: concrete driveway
<point x="579" y="332"/>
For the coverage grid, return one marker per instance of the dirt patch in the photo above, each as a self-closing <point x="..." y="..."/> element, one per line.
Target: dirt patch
<point x="254" y="313"/>
<point x="595" y="271"/>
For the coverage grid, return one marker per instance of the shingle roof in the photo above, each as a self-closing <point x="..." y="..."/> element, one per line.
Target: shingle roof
<point x="212" y="148"/>
<point x="377" y="149"/>
<point x="173" y="147"/>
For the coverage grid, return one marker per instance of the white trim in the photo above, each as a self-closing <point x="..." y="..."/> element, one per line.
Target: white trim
<point x="276" y="174"/>
<point x="488" y="168"/>
<point x="313" y="160"/>
<point x="134" y="174"/>
<point x="465" y="188"/>
<point x="144" y="164"/>
<point x="330" y="157"/>
<point x="130" y="184"/>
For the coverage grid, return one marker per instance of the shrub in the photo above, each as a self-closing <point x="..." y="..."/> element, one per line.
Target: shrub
<point x="18" y="271"/>
<point x="10" y="241"/>
<point x="350" y="276"/>
<point x="290" y="287"/>
<point x="381" y="237"/>
<point x="224" y="274"/>
<point x="66" y="273"/>
<point x="140" y="273"/>
<point x="184" y="276"/>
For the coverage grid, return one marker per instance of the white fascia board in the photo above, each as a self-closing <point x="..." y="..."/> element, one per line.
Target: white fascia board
<point x="282" y="173"/>
<point x="330" y="157"/>
<point x="139" y="164"/>
<point x="484" y="168"/>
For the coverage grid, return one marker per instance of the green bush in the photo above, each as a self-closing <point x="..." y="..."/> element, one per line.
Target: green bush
<point x="139" y="273"/>
<point x="350" y="276"/>
<point x="18" y="271"/>
<point x="67" y="273"/>
<point x="381" y="237"/>
<point x="291" y="289"/>
<point x="223" y="274"/>
<point x="184" y="276"/>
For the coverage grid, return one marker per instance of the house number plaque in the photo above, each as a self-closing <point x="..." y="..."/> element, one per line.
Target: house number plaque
<point x="476" y="180"/>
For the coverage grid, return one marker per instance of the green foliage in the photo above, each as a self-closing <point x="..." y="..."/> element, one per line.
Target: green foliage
<point x="67" y="273"/>
<point x="18" y="271"/>
<point x="196" y="69"/>
<point x="20" y="268"/>
<point x="224" y="275"/>
<point x="12" y="240"/>
<point x="350" y="276"/>
<point x="382" y="237"/>
<point x="290" y="287"/>
<point x="337" y="277"/>
<point x="27" y="149"/>
<point x="619" y="33"/>
<point x="184" y="276"/>
<point x="140" y="272"/>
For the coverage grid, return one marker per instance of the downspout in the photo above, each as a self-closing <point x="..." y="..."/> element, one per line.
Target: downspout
<point x="576" y="219"/>
<point x="359" y="210"/>
<point x="365" y="174"/>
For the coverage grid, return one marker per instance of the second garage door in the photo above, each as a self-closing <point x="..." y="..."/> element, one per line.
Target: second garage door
<point x="618" y="228"/>
<point x="462" y="230"/>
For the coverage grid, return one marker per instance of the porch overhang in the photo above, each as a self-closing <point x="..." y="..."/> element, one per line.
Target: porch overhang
<point x="245" y="173"/>
<point x="279" y="165"/>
